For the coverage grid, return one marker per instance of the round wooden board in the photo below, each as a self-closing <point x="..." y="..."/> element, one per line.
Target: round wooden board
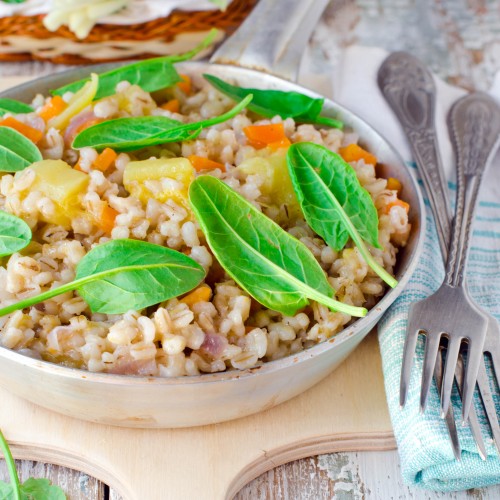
<point x="347" y="411"/>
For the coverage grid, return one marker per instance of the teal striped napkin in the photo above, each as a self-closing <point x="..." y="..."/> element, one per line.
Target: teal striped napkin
<point x="426" y="456"/>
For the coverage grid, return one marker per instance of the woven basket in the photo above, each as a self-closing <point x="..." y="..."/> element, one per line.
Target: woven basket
<point x="25" y="38"/>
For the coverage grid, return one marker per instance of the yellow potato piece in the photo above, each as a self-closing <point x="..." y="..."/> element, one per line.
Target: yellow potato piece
<point x="63" y="185"/>
<point x="77" y="103"/>
<point x="162" y="179"/>
<point x="277" y="183"/>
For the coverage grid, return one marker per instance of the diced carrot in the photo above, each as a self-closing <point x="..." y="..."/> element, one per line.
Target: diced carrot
<point x="284" y="143"/>
<point x="104" y="160"/>
<point x="33" y="134"/>
<point x="200" y="163"/>
<point x="393" y="184"/>
<point x="260" y="136"/>
<point x="106" y="219"/>
<point x="396" y="203"/>
<point x="353" y="152"/>
<point x="202" y="294"/>
<point x="185" y="84"/>
<point x="78" y="167"/>
<point x="53" y="108"/>
<point x="172" y="106"/>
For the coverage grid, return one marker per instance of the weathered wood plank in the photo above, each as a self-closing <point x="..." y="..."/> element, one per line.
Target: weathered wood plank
<point x="76" y="485"/>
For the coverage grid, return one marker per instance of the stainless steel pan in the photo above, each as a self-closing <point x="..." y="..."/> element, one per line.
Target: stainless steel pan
<point x="284" y="27"/>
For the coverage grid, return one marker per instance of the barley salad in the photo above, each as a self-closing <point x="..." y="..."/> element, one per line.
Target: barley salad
<point x="155" y="226"/>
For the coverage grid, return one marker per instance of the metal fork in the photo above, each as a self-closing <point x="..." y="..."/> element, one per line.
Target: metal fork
<point x="409" y="89"/>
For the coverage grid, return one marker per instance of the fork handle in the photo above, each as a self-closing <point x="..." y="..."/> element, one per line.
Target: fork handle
<point x="409" y="89"/>
<point x="474" y="125"/>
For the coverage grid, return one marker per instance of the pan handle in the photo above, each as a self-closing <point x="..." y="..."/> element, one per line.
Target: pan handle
<point x="273" y="37"/>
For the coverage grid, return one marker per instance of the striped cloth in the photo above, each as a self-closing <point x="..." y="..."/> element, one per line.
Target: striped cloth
<point x="426" y="456"/>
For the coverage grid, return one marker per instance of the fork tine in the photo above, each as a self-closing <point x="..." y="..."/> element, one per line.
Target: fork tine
<point x="488" y="403"/>
<point x="474" y="357"/>
<point x="408" y="354"/>
<point x="430" y="355"/>
<point x="495" y="359"/>
<point x="449" y="373"/>
<point x="449" y="418"/>
<point x="475" y="428"/>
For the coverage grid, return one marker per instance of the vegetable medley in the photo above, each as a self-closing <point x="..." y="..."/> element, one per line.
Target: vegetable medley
<point x="155" y="225"/>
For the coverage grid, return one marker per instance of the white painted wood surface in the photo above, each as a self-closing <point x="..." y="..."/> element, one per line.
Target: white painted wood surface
<point x="459" y="40"/>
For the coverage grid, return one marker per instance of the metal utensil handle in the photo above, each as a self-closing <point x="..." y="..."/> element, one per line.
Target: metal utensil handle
<point x="273" y="37"/>
<point x="410" y="91"/>
<point x="474" y="124"/>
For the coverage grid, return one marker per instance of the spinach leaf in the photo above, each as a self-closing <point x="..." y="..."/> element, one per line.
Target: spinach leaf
<point x="334" y="203"/>
<point x="151" y="74"/>
<point x="15" y="234"/>
<point x="13" y="106"/>
<point x="269" y="103"/>
<point x="126" y="274"/>
<point x="276" y="269"/>
<point x="16" y="151"/>
<point x="31" y="489"/>
<point x="129" y="134"/>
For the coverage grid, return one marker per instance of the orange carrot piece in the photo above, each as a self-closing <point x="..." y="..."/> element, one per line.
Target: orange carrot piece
<point x="104" y="160"/>
<point x="200" y="163"/>
<point x="396" y="203"/>
<point x="260" y="136"/>
<point x="201" y="294"/>
<point x="106" y="220"/>
<point x="394" y="184"/>
<point x="284" y="143"/>
<point x="185" y="85"/>
<point x="31" y="133"/>
<point x="78" y="167"/>
<point x="172" y="106"/>
<point x="53" y="108"/>
<point x="353" y="152"/>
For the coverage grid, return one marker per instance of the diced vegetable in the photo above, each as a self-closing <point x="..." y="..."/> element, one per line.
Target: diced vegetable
<point x="77" y="103"/>
<point x="272" y="135"/>
<point x="201" y="294"/>
<point x="353" y="152"/>
<point x="63" y="185"/>
<point x="277" y="183"/>
<point x="185" y="85"/>
<point x="104" y="160"/>
<point x="33" y="134"/>
<point x="172" y="106"/>
<point x="163" y="179"/>
<point x="106" y="219"/>
<point x="54" y="107"/>
<point x="201" y="163"/>
<point x="396" y="203"/>
<point x="394" y="184"/>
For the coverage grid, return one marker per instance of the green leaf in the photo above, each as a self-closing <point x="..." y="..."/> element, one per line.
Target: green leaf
<point x="151" y="74"/>
<point x="16" y="151"/>
<point x="126" y="274"/>
<point x="41" y="489"/>
<point x="13" y="106"/>
<point x="15" y="487"/>
<point x="6" y="491"/>
<point x="129" y="134"/>
<point x="334" y="203"/>
<point x="269" y="103"/>
<point x="15" y="234"/>
<point x="270" y="264"/>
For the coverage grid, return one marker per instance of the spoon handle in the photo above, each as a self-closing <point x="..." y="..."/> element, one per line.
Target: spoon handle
<point x="474" y="126"/>
<point x="409" y="89"/>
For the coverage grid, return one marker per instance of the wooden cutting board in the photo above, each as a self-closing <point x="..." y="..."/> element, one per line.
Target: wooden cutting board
<point x="347" y="411"/>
